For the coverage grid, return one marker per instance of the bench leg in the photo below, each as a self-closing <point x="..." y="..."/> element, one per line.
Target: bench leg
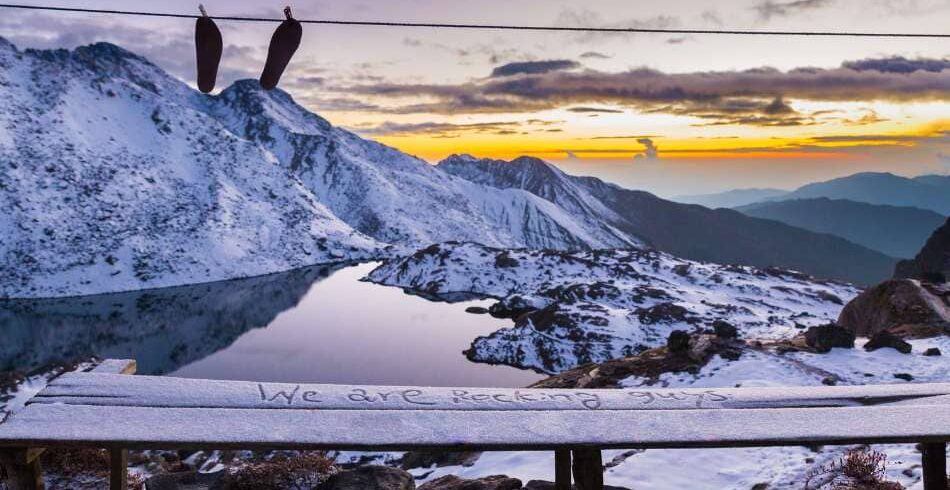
<point x="562" y="469"/>
<point x="935" y="466"/>
<point x="23" y="470"/>
<point x="119" y="469"/>
<point x="588" y="469"/>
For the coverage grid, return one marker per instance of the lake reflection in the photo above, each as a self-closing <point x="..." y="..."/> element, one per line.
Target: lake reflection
<point x="319" y="324"/>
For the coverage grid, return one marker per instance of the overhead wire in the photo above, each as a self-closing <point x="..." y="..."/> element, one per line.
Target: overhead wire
<point x="508" y="27"/>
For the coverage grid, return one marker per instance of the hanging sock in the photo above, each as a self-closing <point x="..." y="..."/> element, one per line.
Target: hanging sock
<point x="208" y="46"/>
<point x="283" y="45"/>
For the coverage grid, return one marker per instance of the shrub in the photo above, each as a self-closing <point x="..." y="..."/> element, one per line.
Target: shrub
<point x="856" y="470"/>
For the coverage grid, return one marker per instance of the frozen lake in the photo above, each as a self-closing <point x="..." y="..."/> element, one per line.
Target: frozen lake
<point x="319" y="324"/>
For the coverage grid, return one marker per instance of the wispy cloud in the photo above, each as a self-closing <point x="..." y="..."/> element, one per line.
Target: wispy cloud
<point x="769" y="8"/>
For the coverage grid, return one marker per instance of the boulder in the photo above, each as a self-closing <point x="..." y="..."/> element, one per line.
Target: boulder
<point x="895" y="303"/>
<point x="825" y="337"/>
<point x="702" y="347"/>
<point x="546" y="485"/>
<point x="678" y="342"/>
<point x="887" y="339"/>
<point x="725" y="330"/>
<point x="452" y="482"/>
<point x="183" y="480"/>
<point x="439" y="459"/>
<point x="932" y="264"/>
<point x="933" y="352"/>
<point x="370" y="478"/>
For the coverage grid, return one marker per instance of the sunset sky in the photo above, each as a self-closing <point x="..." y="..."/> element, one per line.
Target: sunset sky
<point x="670" y="114"/>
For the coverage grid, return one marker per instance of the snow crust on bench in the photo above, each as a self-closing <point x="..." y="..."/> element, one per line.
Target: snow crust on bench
<point x="113" y="410"/>
<point x="43" y="425"/>
<point x="154" y="391"/>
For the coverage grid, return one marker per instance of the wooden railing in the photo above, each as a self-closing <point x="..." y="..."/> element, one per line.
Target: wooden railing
<point x="105" y="408"/>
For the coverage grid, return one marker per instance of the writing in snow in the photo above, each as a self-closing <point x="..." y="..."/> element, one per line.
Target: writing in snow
<point x="415" y="397"/>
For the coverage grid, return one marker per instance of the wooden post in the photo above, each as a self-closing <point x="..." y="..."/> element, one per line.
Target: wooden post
<point x="119" y="469"/>
<point x="22" y="468"/>
<point x="562" y="469"/>
<point x="588" y="469"/>
<point x="934" y="456"/>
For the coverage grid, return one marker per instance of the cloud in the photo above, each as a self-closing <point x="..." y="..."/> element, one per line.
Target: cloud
<point x="600" y="110"/>
<point x="595" y="55"/>
<point x="899" y="64"/>
<point x="650" y="150"/>
<point x="756" y="96"/>
<point x="769" y="8"/>
<point x="533" y="67"/>
<point x="452" y="130"/>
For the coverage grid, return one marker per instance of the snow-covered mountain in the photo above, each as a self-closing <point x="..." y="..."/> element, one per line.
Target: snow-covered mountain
<point x="693" y="232"/>
<point x="579" y="307"/>
<point x="115" y="176"/>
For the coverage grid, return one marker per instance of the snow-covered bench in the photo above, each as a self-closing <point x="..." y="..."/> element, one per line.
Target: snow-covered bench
<point x="108" y="409"/>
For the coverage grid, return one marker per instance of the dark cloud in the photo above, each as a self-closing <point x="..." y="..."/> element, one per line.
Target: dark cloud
<point x="899" y="64"/>
<point x="595" y="55"/>
<point x="533" y="67"/>
<point x="769" y="8"/>
<point x="755" y="96"/>
<point x="588" y="110"/>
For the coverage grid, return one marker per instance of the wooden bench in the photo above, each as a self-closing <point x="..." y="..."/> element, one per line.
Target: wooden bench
<point x="105" y="408"/>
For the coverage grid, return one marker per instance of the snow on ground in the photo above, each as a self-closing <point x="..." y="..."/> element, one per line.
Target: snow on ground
<point x="742" y="468"/>
<point x="610" y="303"/>
<point x="626" y="298"/>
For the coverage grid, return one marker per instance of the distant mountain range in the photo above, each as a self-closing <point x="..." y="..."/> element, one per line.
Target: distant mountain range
<point x="895" y="231"/>
<point x="694" y="232"/>
<point x="730" y="199"/>
<point x="925" y="192"/>
<point x="117" y="177"/>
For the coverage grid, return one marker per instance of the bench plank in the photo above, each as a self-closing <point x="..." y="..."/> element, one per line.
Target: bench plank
<point x="141" y="427"/>
<point x="153" y="391"/>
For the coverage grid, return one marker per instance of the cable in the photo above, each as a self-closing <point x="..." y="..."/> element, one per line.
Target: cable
<point x="492" y="26"/>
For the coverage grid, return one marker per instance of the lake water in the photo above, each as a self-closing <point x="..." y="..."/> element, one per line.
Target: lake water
<point x="319" y="324"/>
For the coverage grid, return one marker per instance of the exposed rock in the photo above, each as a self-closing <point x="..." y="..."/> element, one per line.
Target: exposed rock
<point x="678" y="341"/>
<point x="904" y="376"/>
<point x="370" y="478"/>
<point x="932" y="264"/>
<point x="452" y="482"/>
<point x="183" y="480"/>
<point x="649" y="364"/>
<point x="575" y="308"/>
<point x="887" y="339"/>
<point x="478" y="310"/>
<point x="546" y="485"/>
<point x="725" y="329"/>
<point x="427" y="459"/>
<point x="932" y="352"/>
<point x="894" y="303"/>
<point x="702" y="347"/>
<point x="825" y="337"/>
<point x="512" y="307"/>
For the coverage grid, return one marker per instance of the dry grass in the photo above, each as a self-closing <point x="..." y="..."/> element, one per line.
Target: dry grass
<point x="302" y="471"/>
<point x="856" y="470"/>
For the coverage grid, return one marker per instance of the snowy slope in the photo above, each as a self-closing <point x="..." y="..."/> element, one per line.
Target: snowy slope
<point x="119" y="177"/>
<point x="113" y="176"/>
<point x="605" y="304"/>
<point x="693" y="232"/>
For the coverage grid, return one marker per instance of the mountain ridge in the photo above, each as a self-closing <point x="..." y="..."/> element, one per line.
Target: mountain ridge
<point x="898" y="231"/>
<point x="688" y="231"/>
<point x="200" y="188"/>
